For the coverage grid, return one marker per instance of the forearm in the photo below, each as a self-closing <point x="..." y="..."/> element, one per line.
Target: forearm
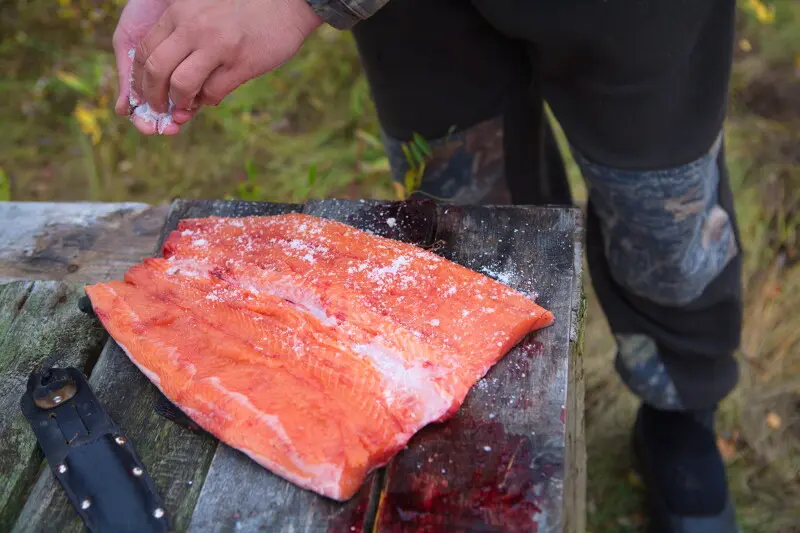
<point x="344" y="14"/>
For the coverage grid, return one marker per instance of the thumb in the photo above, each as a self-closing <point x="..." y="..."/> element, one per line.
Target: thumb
<point x="122" y="45"/>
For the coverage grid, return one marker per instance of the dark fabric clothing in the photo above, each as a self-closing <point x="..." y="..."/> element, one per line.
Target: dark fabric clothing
<point x="684" y="458"/>
<point x="640" y="88"/>
<point x="344" y="14"/>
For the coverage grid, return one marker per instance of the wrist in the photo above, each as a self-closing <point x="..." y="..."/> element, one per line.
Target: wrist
<point x="307" y="19"/>
<point x="335" y="13"/>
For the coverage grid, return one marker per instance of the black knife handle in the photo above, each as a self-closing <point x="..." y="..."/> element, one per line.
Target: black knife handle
<point x="95" y="463"/>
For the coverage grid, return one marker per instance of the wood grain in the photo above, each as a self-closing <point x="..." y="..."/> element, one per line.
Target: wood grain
<point x="75" y="242"/>
<point x="177" y="459"/>
<point x="499" y="463"/>
<point x="512" y="459"/>
<point x="37" y="319"/>
<point x="575" y="468"/>
<point x="240" y="495"/>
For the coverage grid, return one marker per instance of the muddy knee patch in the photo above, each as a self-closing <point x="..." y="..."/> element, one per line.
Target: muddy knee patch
<point x="465" y="167"/>
<point x="665" y="236"/>
<point x="642" y="370"/>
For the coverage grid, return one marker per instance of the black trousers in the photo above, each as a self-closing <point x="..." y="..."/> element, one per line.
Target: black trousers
<point x="640" y="89"/>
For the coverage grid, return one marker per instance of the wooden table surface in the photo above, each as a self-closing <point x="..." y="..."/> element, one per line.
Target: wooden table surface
<point x="511" y="460"/>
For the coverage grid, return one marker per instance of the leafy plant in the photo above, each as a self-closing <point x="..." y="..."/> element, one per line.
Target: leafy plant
<point x="417" y="152"/>
<point x="5" y="186"/>
<point x="250" y="189"/>
<point x="312" y="178"/>
<point x="763" y="12"/>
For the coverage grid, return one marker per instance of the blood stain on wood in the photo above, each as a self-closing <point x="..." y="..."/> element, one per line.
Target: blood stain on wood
<point x="497" y="491"/>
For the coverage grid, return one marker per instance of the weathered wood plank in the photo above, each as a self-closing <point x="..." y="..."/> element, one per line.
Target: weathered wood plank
<point x="575" y="468"/>
<point x="75" y="242"/>
<point x="37" y="319"/>
<point x="536" y="445"/>
<point x="241" y="495"/>
<point x="238" y="494"/>
<point x="177" y="459"/>
<point x="498" y="464"/>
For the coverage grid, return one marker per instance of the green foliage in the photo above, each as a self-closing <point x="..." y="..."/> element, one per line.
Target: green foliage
<point x="415" y="151"/>
<point x="772" y="28"/>
<point x="5" y="186"/>
<point x="309" y="130"/>
<point x="313" y="111"/>
<point x="249" y="189"/>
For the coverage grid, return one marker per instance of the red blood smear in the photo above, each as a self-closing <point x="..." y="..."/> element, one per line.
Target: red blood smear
<point x="350" y="517"/>
<point x="531" y="348"/>
<point x="480" y="490"/>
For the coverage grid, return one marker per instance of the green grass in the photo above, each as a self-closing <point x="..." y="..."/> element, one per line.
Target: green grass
<point x="260" y="143"/>
<point x="309" y="130"/>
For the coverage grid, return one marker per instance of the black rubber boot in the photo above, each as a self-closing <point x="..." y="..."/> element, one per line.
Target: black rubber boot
<point x="677" y="458"/>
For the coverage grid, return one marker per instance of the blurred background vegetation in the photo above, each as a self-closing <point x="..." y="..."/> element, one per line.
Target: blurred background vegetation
<point x="309" y="130"/>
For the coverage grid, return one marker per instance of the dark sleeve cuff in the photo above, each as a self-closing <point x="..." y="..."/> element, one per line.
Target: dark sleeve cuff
<point x="344" y="14"/>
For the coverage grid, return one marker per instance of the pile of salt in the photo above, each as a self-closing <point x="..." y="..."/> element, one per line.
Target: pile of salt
<point x="143" y="110"/>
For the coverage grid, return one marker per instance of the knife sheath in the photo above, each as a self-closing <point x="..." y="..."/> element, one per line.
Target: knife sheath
<point x="95" y="463"/>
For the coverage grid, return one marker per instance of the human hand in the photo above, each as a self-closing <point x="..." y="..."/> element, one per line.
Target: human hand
<point x="198" y="51"/>
<point x="136" y="20"/>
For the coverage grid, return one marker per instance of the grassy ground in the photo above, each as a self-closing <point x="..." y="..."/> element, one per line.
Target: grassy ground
<point x="314" y="118"/>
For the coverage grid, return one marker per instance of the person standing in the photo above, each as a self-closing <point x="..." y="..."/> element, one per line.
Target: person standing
<point x="640" y="89"/>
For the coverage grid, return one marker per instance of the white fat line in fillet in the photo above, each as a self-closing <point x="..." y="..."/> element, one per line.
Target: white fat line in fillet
<point x="274" y="423"/>
<point x="413" y="379"/>
<point x="152" y="376"/>
<point x="286" y="290"/>
<point x="324" y="479"/>
<point x="131" y="313"/>
<point x="304" y="299"/>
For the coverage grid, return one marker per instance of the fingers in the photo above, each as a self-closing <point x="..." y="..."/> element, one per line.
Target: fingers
<point x="150" y="122"/>
<point x="159" y="69"/>
<point x="220" y="84"/>
<point x="188" y="78"/>
<point x="122" y="45"/>
<point x="148" y="127"/>
<point x="182" y="116"/>
<point x="148" y="68"/>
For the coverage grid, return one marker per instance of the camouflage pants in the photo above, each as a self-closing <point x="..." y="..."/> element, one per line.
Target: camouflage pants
<point x="640" y="90"/>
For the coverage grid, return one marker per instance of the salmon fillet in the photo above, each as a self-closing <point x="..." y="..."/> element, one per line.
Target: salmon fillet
<point x="315" y="348"/>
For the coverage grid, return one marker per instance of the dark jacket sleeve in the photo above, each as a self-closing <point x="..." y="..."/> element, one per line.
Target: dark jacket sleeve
<point x="344" y="14"/>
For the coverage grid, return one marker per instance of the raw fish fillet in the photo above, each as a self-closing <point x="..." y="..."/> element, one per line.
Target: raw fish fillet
<point x="315" y="348"/>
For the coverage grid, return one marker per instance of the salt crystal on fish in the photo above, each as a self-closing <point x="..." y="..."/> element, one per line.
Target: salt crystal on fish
<point x="328" y="340"/>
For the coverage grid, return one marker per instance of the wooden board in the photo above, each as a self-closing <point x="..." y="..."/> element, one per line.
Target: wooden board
<point x="575" y="472"/>
<point x="521" y="410"/>
<point x="240" y="495"/>
<point x="76" y="242"/>
<point x="37" y="319"/>
<point x="499" y="463"/>
<point x="177" y="459"/>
